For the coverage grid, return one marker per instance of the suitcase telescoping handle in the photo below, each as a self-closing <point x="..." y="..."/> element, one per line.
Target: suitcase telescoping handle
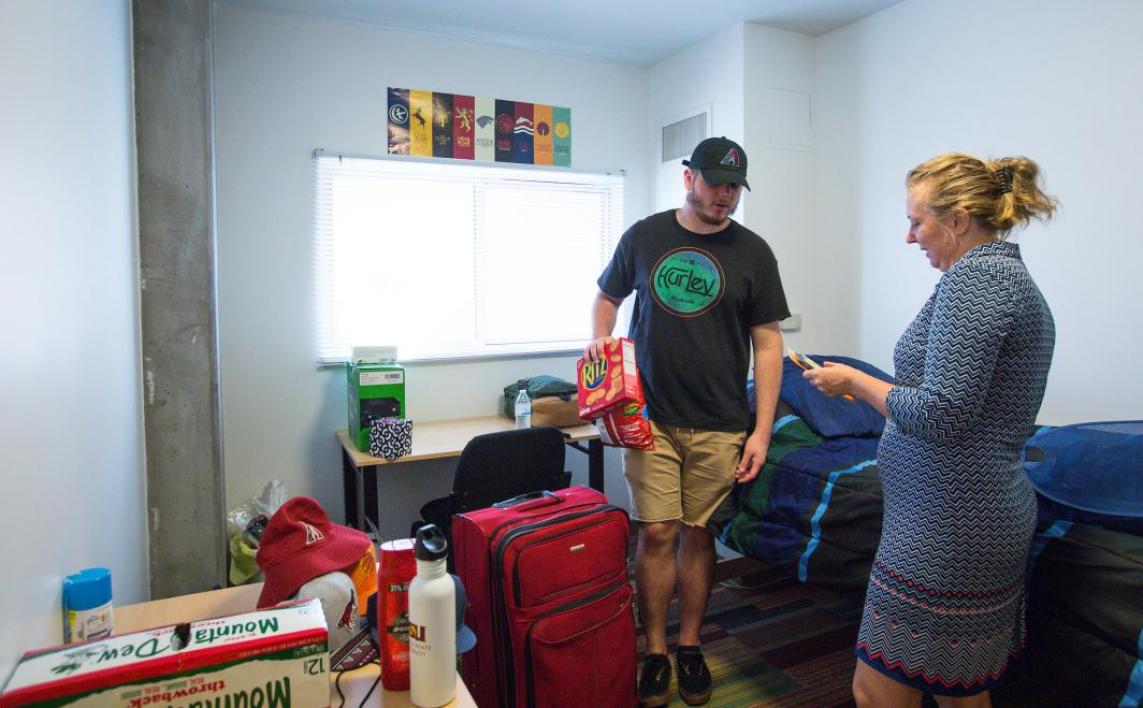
<point x="528" y="501"/>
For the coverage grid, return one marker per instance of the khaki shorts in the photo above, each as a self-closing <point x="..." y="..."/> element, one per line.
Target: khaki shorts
<point x="685" y="477"/>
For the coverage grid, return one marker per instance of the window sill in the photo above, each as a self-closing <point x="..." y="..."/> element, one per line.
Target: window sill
<point x="468" y="358"/>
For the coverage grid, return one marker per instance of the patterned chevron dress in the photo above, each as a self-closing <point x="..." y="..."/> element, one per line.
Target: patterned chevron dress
<point x="944" y="610"/>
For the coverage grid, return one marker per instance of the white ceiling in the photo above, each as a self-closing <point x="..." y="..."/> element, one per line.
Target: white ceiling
<point x="640" y="32"/>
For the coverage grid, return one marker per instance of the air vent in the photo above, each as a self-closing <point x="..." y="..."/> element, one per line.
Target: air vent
<point x="680" y="138"/>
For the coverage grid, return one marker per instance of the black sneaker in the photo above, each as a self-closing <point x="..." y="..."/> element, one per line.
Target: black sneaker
<point x="655" y="681"/>
<point x="694" y="676"/>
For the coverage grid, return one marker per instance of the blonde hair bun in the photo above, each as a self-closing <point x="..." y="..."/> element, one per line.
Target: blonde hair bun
<point x="1000" y="194"/>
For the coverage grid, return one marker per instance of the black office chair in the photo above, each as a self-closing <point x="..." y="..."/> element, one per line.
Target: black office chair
<point x="499" y="466"/>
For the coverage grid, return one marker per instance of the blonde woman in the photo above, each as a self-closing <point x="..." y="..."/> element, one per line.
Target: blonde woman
<point x="944" y="609"/>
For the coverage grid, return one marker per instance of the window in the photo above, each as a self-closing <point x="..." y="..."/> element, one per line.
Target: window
<point x="452" y="260"/>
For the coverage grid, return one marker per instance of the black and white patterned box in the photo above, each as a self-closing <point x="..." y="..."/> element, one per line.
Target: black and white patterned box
<point x="391" y="437"/>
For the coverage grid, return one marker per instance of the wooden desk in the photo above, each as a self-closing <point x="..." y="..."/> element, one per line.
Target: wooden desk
<point x="355" y="684"/>
<point x="440" y="439"/>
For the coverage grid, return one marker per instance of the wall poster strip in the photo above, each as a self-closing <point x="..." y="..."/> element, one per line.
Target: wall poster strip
<point x="505" y="124"/>
<point x="463" y="123"/>
<point x="462" y="127"/>
<point x="421" y="123"/>
<point x="398" y="121"/>
<point x="442" y="124"/>
<point x="485" y="134"/>
<point x="522" y="134"/>
<point x="561" y="143"/>
<point x="542" y="117"/>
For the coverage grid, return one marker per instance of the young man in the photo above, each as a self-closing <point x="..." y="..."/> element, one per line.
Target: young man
<point x="707" y="292"/>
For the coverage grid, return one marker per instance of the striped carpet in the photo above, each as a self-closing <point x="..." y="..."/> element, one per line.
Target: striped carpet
<point x="772" y="641"/>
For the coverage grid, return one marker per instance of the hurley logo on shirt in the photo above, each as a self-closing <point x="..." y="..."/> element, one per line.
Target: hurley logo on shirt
<point x="687" y="282"/>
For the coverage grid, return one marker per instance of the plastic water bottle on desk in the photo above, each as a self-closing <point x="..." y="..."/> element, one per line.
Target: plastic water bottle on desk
<point x="523" y="407"/>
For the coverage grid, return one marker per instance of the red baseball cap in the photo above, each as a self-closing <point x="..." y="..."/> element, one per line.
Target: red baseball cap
<point x="299" y="544"/>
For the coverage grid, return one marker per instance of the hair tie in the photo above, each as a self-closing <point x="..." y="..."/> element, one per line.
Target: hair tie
<point x="1005" y="175"/>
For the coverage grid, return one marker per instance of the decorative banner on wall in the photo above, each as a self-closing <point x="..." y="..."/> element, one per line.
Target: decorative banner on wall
<point x="505" y="123"/>
<point x="442" y="124"/>
<point x="542" y="116"/>
<point x="421" y="123"/>
<point x="561" y="143"/>
<point x="463" y="122"/>
<point x="522" y="134"/>
<point x="485" y="129"/>
<point x="398" y="121"/>
<point x="433" y="124"/>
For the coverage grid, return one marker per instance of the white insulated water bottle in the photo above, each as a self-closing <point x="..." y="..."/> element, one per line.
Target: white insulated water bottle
<point x="523" y="406"/>
<point x="432" y="623"/>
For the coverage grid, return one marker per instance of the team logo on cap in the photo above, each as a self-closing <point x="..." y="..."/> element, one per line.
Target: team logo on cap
<point x="731" y="158"/>
<point x="312" y="534"/>
<point x="687" y="282"/>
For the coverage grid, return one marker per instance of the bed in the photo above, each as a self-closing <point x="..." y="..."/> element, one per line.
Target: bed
<point x="815" y="511"/>
<point x="815" y="507"/>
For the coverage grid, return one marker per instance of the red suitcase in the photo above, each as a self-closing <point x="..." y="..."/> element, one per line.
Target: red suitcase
<point x="549" y="601"/>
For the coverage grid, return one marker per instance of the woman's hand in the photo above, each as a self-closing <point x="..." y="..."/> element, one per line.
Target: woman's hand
<point x="833" y="379"/>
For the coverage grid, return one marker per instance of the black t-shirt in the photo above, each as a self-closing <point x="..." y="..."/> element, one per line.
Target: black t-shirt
<point x="697" y="297"/>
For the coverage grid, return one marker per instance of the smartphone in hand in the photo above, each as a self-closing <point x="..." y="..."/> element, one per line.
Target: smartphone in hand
<point x="807" y="363"/>
<point x="802" y="360"/>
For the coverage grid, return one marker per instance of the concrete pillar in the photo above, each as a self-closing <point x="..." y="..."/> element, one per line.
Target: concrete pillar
<point x="175" y="143"/>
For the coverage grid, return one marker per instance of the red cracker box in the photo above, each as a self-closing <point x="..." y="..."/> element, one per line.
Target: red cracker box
<point x="609" y="383"/>
<point x="273" y="657"/>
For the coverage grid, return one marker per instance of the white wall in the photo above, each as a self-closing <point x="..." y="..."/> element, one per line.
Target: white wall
<point x="1056" y="80"/>
<point x="734" y="73"/>
<point x="705" y="76"/>
<point x="286" y="84"/>
<point x="70" y="421"/>
<point x="779" y="77"/>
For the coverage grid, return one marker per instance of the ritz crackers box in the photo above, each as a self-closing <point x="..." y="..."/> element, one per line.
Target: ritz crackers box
<point x="274" y="657"/>
<point x="608" y="383"/>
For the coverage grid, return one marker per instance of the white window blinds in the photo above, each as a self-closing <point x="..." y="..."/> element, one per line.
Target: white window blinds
<point x="452" y="260"/>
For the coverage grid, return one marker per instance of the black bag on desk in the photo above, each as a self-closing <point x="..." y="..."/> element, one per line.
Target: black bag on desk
<point x="553" y="401"/>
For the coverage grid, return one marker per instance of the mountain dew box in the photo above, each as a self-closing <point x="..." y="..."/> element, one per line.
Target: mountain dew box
<point x="274" y="657"/>
<point x="376" y="387"/>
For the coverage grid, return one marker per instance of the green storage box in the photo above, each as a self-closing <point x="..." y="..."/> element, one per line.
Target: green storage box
<point x="376" y="390"/>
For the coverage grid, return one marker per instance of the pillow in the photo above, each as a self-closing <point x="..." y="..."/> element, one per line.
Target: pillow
<point x="831" y="417"/>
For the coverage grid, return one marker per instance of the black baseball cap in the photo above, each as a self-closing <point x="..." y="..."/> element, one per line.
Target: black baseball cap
<point x="720" y="161"/>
